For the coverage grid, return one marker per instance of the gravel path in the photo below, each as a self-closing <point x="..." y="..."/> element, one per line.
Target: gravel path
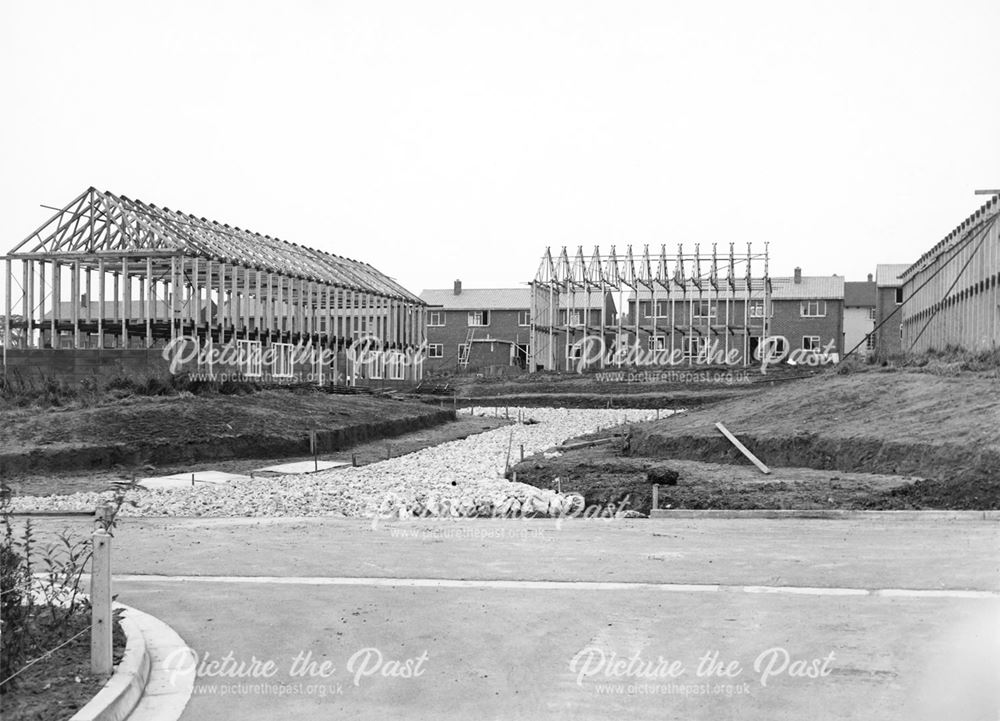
<point x="459" y="478"/>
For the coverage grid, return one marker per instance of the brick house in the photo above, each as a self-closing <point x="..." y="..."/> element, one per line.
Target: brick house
<point x="808" y="311"/>
<point x="888" y="299"/>
<point x="476" y="328"/>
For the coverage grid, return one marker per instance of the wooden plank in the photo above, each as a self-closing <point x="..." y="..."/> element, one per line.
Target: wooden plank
<point x="742" y="449"/>
<point x="100" y="603"/>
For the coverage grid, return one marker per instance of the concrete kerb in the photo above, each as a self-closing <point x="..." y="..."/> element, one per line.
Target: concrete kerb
<point x="121" y="693"/>
<point x="152" y="682"/>
<point x="821" y="514"/>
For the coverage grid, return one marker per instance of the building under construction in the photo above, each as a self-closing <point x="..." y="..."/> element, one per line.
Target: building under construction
<point x="112" y="281"/>
<point x="952" y="293"/>
<point x="688" y="307"/>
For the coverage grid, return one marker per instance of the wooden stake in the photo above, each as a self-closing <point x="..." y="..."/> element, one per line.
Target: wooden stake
<point x="100" y="604"/>
<point x="656" y="496"/>
<point x="743" y="449"/>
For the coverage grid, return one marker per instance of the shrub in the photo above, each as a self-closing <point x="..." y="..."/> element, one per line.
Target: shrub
<point x="16" y="601"/>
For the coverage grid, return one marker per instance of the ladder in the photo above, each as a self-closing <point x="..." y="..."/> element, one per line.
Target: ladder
<point x="463" y="358"/>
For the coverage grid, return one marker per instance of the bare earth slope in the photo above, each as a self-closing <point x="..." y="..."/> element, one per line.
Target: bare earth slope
<point x="169" y="429"/>
<point x="873" y="433"/>
<point x="911" y="423"/>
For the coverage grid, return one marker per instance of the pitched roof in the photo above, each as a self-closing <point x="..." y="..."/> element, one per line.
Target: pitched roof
<point x="479" y="298"/>
<point x="819" y="287"/>
<point x="887" y="275"/>
<point x="99" y="222"/>
<point x="827" y="287"/>
<point x="859" y="294"/>
<point x="988" y="213"/>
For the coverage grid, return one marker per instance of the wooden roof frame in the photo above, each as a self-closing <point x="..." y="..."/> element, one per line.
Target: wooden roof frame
<point x="100" y="224"/>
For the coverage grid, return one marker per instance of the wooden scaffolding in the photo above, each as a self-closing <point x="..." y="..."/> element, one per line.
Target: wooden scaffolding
<point x="108" y="271"/>
<point x="679" y="306"/>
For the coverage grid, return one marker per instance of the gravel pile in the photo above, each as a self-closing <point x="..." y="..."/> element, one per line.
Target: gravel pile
<point x="459" y="478"/>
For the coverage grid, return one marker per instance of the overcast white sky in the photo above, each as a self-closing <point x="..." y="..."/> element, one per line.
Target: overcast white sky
<point x="443" y="140"/>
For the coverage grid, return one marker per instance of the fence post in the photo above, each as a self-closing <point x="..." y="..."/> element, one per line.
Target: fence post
<point x="100" y="604"/>
<point x="656" y="496"/>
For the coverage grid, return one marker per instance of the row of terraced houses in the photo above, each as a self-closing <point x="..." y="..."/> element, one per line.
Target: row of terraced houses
<point x="491" y="328"/>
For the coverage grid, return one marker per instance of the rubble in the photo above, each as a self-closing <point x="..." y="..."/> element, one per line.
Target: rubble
<point x="460" y="479"/>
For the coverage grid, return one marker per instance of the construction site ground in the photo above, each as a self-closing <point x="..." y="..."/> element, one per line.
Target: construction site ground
<point x="896" y="439"/>
<point x="66" y="481"/>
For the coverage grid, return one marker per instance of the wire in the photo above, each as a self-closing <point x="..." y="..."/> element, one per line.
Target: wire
<point x="45" y="655"/>
<point x="954" y="283"/>
<point x="984" y="225"/>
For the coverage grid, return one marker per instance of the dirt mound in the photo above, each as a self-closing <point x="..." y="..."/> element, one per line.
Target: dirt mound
<point x="969" y="494"/>
<point x="905" y="423"/>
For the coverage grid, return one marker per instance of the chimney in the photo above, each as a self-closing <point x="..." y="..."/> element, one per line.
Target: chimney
<point x="458" y="287"/>
<point x="870" y="278"/>
<point x="798" y="275"/>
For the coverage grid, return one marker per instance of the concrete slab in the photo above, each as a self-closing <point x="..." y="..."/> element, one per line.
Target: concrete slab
<point x="566" y="654"/>
<point x="184" y="480"/>
<point x="852" y="553"/>
<point x="539" y="620"/>
<point x="298" y="467"/>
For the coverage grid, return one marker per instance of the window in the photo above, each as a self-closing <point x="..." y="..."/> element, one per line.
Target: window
<point x="248" y="353"/>
<point x="773" y="349"/>
<point x="704" y="309"/>
<point x="662" y="309"/>
<point x="813" y="309"/>
<point x="693" y="346"/>
<point x="810" y="342"/>
<point x="435" y="350"/>
<point x="524" y="317"/>
<point x="870" y="341"/>
<point x="395" y="366"/>
<point x="645" y="308"/>
<point x="871" y="314"/>
<point x="463" y="352"/>
<point x="575" y="317"/>
<point x="479" y="318"/>
<point x="376" y="365"/>
<point x="435" y="318"/>
<point x="574" y="352"/>
<point x="282" y="365"/>
<point x="756" y="309"/>
<point x="656" y="342"/>
<point x="899" y="296"/>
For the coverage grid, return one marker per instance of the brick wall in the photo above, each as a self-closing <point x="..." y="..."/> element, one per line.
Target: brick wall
<point x="789" y="322"/>
<point x="887" y="338"/>
<point x="77" y="364"/>
<point x="503" y="325"/>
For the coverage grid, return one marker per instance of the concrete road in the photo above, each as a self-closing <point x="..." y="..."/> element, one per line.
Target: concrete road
<point x="692" y="619"/>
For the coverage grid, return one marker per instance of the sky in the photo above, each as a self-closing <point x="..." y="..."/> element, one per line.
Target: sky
<point x="456" y="140"/>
